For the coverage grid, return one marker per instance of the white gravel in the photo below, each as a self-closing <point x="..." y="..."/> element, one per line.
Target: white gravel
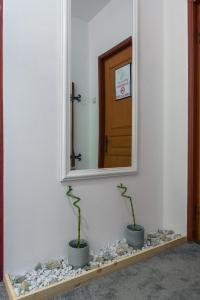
<point x="55" y="271"/>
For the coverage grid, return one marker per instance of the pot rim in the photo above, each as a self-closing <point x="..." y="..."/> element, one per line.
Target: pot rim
<point x="86" y="244"/>
<point x="140" y="228"/>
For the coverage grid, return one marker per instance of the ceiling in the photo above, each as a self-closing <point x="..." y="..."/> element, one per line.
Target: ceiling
<point x="87" y="9"/>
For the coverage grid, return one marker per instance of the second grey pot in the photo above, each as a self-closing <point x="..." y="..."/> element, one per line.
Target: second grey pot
<point x="78" y="257"/>
<point x="135" y="236"/>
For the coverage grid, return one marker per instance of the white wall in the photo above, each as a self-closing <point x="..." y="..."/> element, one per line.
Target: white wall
<point x="80" y="77"/>
<point x="39" y="219"/>
<point x="175" y="115"/>
<point x="106" y="30"/>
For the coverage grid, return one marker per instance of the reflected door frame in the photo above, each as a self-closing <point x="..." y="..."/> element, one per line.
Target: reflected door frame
<point x="101" y="60"/>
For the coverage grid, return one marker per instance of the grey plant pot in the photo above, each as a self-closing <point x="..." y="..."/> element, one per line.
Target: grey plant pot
<point x="78" y="257"/>
<point x="135" y="237"/>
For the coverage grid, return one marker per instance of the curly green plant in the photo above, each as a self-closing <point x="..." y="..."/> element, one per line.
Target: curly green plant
<point x="123" y="189"/>
<point x="75" y="203"/>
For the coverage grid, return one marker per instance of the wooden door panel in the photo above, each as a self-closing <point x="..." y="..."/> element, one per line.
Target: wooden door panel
<point x="117" y="161"/>
<point x="193" y="227"/>
<point x="120" y="146"/>
<point x="118" y="115"/>
<point x="114" y="132"/>
<point x="197" y="125"/>
<point x="1" y="143"/>
<point x="122" y="109"/>
<point x="198" y="146"/>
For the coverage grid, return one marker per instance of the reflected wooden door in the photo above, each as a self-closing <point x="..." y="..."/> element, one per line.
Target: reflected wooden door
<point x="115" y="137"/>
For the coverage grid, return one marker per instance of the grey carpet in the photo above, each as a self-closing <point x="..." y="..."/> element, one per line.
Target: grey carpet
<point x="172" y="275"/>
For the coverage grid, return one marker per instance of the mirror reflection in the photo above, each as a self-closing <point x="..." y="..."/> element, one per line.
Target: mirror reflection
<point x="101" y="88"/>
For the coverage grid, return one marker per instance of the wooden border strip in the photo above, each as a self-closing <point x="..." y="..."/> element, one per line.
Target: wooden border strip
<point x="66" y="285"/>
<point x="9" y="287"/>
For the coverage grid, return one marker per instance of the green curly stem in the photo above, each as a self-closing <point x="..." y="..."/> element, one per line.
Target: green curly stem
<point x="123" y="194"/>
<point x="75" y="203"/>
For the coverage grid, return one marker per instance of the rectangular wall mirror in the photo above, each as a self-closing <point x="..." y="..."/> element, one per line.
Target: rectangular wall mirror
<point x="99" y="88"/>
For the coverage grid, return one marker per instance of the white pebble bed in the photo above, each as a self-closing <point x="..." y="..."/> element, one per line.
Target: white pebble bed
<point x="56" y="271"/>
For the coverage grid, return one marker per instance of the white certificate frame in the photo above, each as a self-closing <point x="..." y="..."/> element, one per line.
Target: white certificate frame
<point x="118" y="95"/>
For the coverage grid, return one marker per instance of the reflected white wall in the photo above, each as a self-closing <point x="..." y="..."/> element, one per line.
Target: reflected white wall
<point x="80" y="77"/>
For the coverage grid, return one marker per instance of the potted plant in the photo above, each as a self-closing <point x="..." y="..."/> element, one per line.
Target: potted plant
<point x="78" y="249"/>
<point x="134" y="232"/>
